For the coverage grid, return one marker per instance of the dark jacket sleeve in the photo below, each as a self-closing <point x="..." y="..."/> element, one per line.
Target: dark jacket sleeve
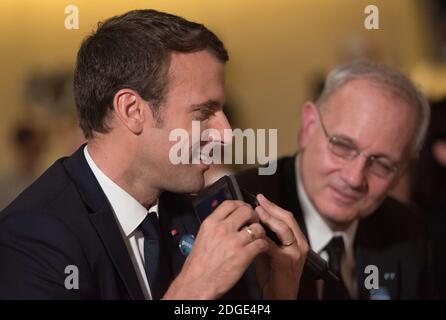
<point x="39" y="256"/>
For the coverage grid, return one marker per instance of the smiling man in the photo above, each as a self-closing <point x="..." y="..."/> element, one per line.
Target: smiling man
<point x="106" y="222"/>
<point x="355" y="142"/>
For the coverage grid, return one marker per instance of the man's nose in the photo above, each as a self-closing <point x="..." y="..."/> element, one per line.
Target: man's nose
<point x="221" y="124"/>
<point x="354" y="172"/>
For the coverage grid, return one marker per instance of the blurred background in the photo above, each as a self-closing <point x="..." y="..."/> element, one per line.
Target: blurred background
<point x="280" y="52"/>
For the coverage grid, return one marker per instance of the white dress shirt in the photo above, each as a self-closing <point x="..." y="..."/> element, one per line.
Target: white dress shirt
<point x="129" y="214"/>
<point x="320" y="234"/>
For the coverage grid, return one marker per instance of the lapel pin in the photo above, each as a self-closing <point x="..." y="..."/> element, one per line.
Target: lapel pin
<point x="379" y="294"/>
<point x="186" y="244"/>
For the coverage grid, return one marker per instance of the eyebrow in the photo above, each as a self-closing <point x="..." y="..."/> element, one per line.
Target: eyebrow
<point x="210" y="104"/>
<point x="377" y="155"/>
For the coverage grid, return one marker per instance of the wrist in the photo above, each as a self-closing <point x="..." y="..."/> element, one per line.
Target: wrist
<point x="183" y="289"/>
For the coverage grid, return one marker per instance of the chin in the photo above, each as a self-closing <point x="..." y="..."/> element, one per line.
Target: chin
<point x="189" y="184"/>
<point x="339" y="216"/>
<point x="197" y="187"/>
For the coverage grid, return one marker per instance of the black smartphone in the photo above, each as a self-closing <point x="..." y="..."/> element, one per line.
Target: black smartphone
<point x="226" y="188"/>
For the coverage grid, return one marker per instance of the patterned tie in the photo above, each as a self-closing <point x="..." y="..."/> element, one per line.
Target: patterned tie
<point x="156" y="265"/>
<point x="335" y="291"/>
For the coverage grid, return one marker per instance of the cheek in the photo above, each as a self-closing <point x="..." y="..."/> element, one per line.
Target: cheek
<point x="322" y="166"/>
<point x="376" y="193"/>
<point x="377" y="190"/>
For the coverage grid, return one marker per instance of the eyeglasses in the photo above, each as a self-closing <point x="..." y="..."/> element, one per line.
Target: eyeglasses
<point x="345" y="149"/>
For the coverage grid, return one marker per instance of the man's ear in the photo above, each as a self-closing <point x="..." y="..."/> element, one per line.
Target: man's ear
<point x="308" y="121"/>
<point x="131" y="110"/>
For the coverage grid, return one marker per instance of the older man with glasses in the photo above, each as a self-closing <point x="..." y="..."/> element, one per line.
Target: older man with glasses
<point x="355" y="142"/>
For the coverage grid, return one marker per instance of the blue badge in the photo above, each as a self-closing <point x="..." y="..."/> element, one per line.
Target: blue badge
<point x="186" y="244"/>
<point x="379" y="294"/>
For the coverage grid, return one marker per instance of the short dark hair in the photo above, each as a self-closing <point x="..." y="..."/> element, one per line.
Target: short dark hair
<point x="133" y="51"/>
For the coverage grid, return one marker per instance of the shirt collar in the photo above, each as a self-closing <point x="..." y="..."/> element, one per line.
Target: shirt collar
<point x="128" y="211"/>
<point x="319" y="233"/>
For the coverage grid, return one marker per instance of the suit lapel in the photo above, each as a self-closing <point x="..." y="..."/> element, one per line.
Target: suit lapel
<point x="290" y="201"/>
<point x="177" y="219"/>
<point x="288" y="191"/>
<point x="374" y="267"/>
<point x="372" y="253"/>
<point x="103" y="220"/>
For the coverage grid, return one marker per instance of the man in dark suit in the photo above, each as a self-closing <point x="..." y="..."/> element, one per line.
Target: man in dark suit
<point x="355" y="142"/>
<point x="106" y="222"/>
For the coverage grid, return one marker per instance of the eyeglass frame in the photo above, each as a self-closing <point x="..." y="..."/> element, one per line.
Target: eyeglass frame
<point x="370" y="159"/>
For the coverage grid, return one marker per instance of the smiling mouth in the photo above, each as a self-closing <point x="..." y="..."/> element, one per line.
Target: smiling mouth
<point x="343" y="197"/>
<point x="205" y="158"/>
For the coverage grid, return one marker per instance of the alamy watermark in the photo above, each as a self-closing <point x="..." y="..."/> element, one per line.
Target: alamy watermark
<point x="72" y="17"/>
<point x="371" y="22"/>
<point x="72" y="280"/>
<point x="218" y="149"/>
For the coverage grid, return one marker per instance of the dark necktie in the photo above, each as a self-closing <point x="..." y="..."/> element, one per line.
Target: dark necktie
<point x="332" y="290"/>
<point x="156" y="265"/>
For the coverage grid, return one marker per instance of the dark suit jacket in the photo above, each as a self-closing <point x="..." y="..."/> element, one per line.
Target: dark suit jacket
<point x="393" y="238"/>
<point x="64" y="219"/>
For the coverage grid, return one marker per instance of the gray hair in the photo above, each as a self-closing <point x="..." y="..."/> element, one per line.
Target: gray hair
<point x="393" y="80"/>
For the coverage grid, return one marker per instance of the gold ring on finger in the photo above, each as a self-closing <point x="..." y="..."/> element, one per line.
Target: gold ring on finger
<point x="251" y="233"/>
<point x="289" y="243"/>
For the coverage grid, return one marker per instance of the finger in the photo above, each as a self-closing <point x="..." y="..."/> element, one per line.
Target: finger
<point x="251" y="233"/>
<point x="242" y="216"/>
<point x="285" y="216"/>
<point x="272" y="208"/>
<point x="254" y="248"/>
<point x="225" y="209"/>
<point x="280" y="228"/>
